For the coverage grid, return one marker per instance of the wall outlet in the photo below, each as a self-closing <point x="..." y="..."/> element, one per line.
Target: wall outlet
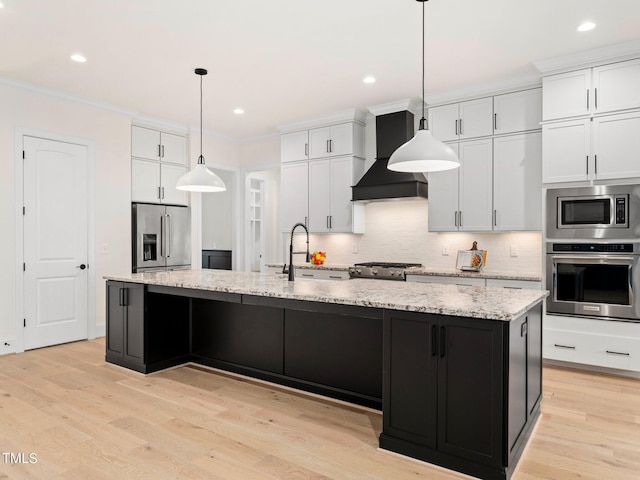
<point x="354" y="247"/>
<point x="514" y="250"/>
<point x="445" y="249"/>
<point x="104" y="250"/>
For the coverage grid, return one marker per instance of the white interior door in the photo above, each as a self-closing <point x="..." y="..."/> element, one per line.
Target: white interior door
<point x="55" y="242"/>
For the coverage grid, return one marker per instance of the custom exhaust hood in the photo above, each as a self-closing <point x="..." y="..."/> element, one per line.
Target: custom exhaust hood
<point x="380" y="183"/>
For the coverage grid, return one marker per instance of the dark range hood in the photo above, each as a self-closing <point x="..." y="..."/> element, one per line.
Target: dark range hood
<point x="380" y="183"/>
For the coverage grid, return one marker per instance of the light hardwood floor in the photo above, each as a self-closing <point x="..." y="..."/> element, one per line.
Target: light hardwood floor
<point x="87" y="420"/>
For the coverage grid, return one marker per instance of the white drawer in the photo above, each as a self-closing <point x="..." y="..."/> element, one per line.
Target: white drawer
<point x="466" y="281"/>
<point x="592" y="349"/>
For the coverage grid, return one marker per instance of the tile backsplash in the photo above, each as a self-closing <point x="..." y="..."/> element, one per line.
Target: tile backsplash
<point x="397" y="230"/>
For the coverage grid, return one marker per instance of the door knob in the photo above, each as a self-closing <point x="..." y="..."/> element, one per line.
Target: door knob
<point x="82" y="266"/>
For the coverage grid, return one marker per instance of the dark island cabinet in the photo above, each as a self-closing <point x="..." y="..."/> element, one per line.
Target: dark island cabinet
<point x="145" y="332"/>
<point x="125" y="323"/>
<point x="459" y="392"/>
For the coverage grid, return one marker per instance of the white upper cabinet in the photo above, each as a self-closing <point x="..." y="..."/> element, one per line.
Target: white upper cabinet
<point x="616" y="86"/>
<point x="616" y="146"/>
<point x="330" y="207"/>
<point x="156" y="145"/>
<point x="443" y="199"/>
<point x="566" y="147"/>
<point x="566" y="95"/>
<point x="294" y="194"/>
<point x="337" y="140"/>
<point x="295" y="146"/>
<point x="158" y="160"/>
<point x="461" y="199"/>
<point x="476" y="185"/>
<point x="517" y="111"/>
<point x="463" y="120"/>
<point x="517" y="182"/>
<point x="604" y="89"/>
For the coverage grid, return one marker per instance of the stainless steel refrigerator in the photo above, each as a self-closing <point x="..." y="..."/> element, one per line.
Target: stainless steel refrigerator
<point x="161" y="237"/>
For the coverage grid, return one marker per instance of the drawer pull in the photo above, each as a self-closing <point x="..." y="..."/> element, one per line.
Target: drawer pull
<point x="307" y="274"/>
<point x="618" y="353"/>
<point x="335" y="276"/>
<point x="564" y="346"/>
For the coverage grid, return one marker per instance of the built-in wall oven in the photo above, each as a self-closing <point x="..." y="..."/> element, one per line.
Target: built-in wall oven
<point x="598" y="212"/>
<point x="594" y="279"/>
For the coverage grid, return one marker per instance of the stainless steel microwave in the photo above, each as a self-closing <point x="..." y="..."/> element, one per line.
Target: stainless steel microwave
<point x="603" y="211"/>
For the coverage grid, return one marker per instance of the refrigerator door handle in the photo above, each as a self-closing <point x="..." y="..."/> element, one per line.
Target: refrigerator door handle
<point x="162" y="235"/>
<point x="168" y="235"/>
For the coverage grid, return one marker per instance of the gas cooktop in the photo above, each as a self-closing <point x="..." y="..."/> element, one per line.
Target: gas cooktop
<point x="382" y="270"/>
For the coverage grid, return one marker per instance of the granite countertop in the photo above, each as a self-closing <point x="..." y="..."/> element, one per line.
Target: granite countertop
<point x="452" y="272"/>
<point x="463" y="301"/>
<point x="436" y="272"/>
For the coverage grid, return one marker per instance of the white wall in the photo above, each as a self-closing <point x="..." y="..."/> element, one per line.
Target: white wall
<point x="110" y="133"/>
<point x="217" y="215"/>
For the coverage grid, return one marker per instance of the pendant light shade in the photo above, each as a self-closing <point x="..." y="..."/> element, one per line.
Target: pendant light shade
<point x="200" y="178"/>
<point x="423" y="153"/>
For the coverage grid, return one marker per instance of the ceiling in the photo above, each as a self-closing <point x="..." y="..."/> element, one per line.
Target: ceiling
<point x="287" y="60"/>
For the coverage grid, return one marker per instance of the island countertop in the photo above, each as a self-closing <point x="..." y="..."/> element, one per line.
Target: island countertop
<point x="463" y="301"/>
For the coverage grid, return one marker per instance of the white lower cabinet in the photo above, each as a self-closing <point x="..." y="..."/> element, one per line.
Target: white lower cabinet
<point x="153" y="182"/>
<point x="475" y="281"/>
<point x="603" y="343"/>
<point x="313" y="273"/>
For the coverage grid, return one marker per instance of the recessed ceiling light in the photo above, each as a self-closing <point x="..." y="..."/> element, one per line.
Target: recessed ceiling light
<point x="586" y="26"/>
<point x="369" y="79"/>
<point x="76" y="57"/>
<point x="1" y="5"/>
<point x="238" y="111"/>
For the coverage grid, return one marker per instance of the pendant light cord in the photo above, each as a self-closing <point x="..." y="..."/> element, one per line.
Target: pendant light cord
<point x="423" y="120"/>
<point x="201" y="158"/>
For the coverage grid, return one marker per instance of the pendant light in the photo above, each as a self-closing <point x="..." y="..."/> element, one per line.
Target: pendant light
<point x="200" y="178"/>
<point x="423" y="153"/>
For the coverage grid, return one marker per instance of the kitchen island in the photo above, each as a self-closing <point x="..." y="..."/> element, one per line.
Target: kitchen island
<point x="456" y="370"/>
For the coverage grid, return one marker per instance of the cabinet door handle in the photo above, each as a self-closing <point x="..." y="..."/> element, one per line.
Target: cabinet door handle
<point x="559" y="345"/>
<point x="460" y="217"/>
<point x="455" y="218"/>
<point x="306" y="149"/>
<point x="587" y="164"/>
<point x="461" y="132"/>
<point x="121" y="297"/>
<point x="327" y="221"/>
<point x="162" y="151"/>
<point x="331" y="146"/>
<point x="307" y="274"/>
<point x="305" y="221"/>
<point x="595" y="164"/>
<point x="330" y="221"/>
<point x="159" y="193"/>
<point x="328" y="146"/>
<point x="495" y="121"/>
<point x="159" y="150"/>
<point x="434" y="340"/>
<point x="587" y="99"/>
<point x="442" y="341"/>
<point x="124" y="297"/>
<point x="618" y="353"/>
<point x="456" y="127"/>
<point x="495" y="218"/>
<point x="162" y="198"/>
<point x="338" y="277"/>
<point x="523" y="329"/>
<point x="595" y="93"/>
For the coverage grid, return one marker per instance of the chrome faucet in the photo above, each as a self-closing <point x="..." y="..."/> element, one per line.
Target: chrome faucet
<point x="291" y="252"/>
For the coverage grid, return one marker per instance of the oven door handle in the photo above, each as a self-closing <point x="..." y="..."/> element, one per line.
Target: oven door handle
<point x="590" y="258"/>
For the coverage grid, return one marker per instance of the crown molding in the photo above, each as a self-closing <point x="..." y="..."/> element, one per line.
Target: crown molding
<point x="505" y="85"/>
<point x="409" y="104"/>
<point x="590" y="58"/>
<point x="160" y="124"/>
<point x="349" y="115"/>
<point x="66" y="96"/>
